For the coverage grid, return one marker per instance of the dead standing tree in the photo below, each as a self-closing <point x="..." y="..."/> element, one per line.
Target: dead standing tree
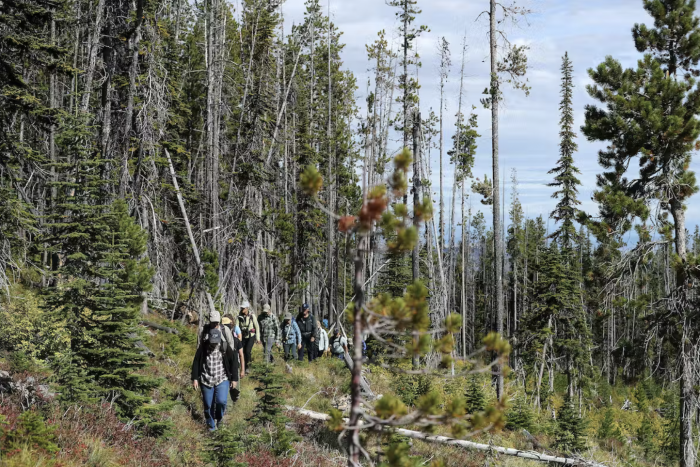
<point x="509" y="66"/>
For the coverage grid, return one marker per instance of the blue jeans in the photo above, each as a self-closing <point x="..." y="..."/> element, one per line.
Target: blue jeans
<point x="215" y="403"/>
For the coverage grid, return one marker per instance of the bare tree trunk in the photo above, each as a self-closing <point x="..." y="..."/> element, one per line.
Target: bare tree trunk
<point x="331" y="187"/>
<point x="416" y="201"/>
<point x="134" y="40"/>
<point x="193" y="243"/>
<point x="497" y="227"/>
<point x="463" y="289"/>
<point x="355" y="447"/>
<point x="92" y="55"/>
<point x="687" y="454"/>
<point x="538" y="400"/>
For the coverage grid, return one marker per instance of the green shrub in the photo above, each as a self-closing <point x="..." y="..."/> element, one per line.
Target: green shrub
<point x="570" y="431"/>
<point x="29" y="430"/>
<point x="520" y="415"/>
<point x="608" y="429"/>
<point x="411" y="387"/>
<point x="224" y="446"/>
<point x="26" y="327"/>
<point x="474" y="395"/>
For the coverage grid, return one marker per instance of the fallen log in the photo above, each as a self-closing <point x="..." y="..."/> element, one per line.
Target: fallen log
<point x="140" y="345"/>
<point x="428" y="438"/>
<point x="364" y="384"/>
<point x="159" y="327"/>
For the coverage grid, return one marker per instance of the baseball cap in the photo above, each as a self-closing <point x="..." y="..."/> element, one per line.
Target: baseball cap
<point x="226" y="321"/>
<point x="214" y="336"/>
<point x="214" y="317"/>
<point x="245" y="304"/>
<point x="305" y="306"/>
<point x="287" y="316"/>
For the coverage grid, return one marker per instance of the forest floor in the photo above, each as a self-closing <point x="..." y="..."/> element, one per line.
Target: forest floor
<point x="94" y="436"/>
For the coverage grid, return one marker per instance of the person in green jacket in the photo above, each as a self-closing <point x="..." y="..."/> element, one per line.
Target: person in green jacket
<point x="269" y="331"/>
<point x="250" y="331"/>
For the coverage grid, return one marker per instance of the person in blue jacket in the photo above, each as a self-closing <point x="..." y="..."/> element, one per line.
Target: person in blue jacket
<point x="291" y="337"/>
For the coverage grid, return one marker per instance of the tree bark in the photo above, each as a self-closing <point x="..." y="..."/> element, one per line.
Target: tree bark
<point x="531" y="455"/>
<point x="416" y="202"/>
<point x="497" y="227"/>
<point x="687" y="454"/>
<point x="355" y="446"/>
<point x="193" y="243"/>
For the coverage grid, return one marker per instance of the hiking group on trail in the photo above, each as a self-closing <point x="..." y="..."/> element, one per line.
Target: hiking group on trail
<point x="224" y="351"/>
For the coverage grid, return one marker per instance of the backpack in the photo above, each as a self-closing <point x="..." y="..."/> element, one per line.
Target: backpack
<point x="227" y="338"/>
<point x="337" y="345"/>
<point x="246" y="325"/>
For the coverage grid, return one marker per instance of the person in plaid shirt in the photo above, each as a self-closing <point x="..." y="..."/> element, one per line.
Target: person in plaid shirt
<point x="269" y="331"/>
<point x="214" y="369"/>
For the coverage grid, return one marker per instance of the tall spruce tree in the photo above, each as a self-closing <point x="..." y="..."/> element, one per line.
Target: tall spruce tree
<point x="97" y="294"/>
<point x="565" y="172"/>
<point x="650" y="117"/>
<point x="570" y="434"/>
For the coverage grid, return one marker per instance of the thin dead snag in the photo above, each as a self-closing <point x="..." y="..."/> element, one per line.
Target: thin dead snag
<point x="355" y="447"/>
<point x="193" y="243"/>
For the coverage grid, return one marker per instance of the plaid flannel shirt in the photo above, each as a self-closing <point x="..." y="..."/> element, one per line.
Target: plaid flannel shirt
<point x="214" y="372"/>
<point x="269" y="327"/>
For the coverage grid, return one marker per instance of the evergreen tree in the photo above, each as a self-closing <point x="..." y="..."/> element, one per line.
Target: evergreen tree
<point x="474" y="396"/>
<point x="520" y="415"/>
<point x="270" y="408"/>
<point x="557" y="306"/>
<point x="608" y="429"/>
<point x="103" y="277"/>
<point x="670" y="441"/>
<point x="570" y="431"/>
<point x="565" y="179"/>
<point x="28" y="58"/>
<point x="650" y="121"/>
<point x="464" y="146"/>
<point x="407" y="11"/>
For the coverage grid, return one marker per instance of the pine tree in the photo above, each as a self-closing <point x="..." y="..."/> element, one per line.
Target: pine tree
<point x="557" y="306"/>
<point x="565" y="179"/>
<point x="670" y="441"/>
<point x="650" y="122"/>
<point x="608" y="429"/>
<point x="28" y="57"/>
<point x="225" y="445"/>
<point x="570" y="431"/>
<point x="520" y="415"/>
<point x="103" y="278"/>
<point x="270" y="408"/>
<point x="406" y="14"/>
<point x="474" y="396"/>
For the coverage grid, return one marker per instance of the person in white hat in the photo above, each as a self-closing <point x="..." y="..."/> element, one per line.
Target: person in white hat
<point x="250" y="331"/>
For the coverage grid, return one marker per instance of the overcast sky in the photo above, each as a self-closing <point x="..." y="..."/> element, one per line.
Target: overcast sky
<point x="588" y="29"/>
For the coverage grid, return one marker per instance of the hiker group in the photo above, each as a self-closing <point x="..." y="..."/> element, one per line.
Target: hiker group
<point x="224" y="352"/>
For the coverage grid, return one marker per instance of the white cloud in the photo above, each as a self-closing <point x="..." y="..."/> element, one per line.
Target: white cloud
<point x="588" y="30"/>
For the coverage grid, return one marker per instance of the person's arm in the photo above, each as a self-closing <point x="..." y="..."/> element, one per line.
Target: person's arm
<point x="195" y="367"/>
<point x="242" y="361"/>
<point x="297" y="332"/>
<point x="237" y="332"/>
<point x="313" y="328"/>
<point x="278" y="332"/>
<point x="257" y="328"/>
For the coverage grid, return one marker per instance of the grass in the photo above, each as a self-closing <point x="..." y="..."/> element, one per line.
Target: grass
<point x="95" y="437"/>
